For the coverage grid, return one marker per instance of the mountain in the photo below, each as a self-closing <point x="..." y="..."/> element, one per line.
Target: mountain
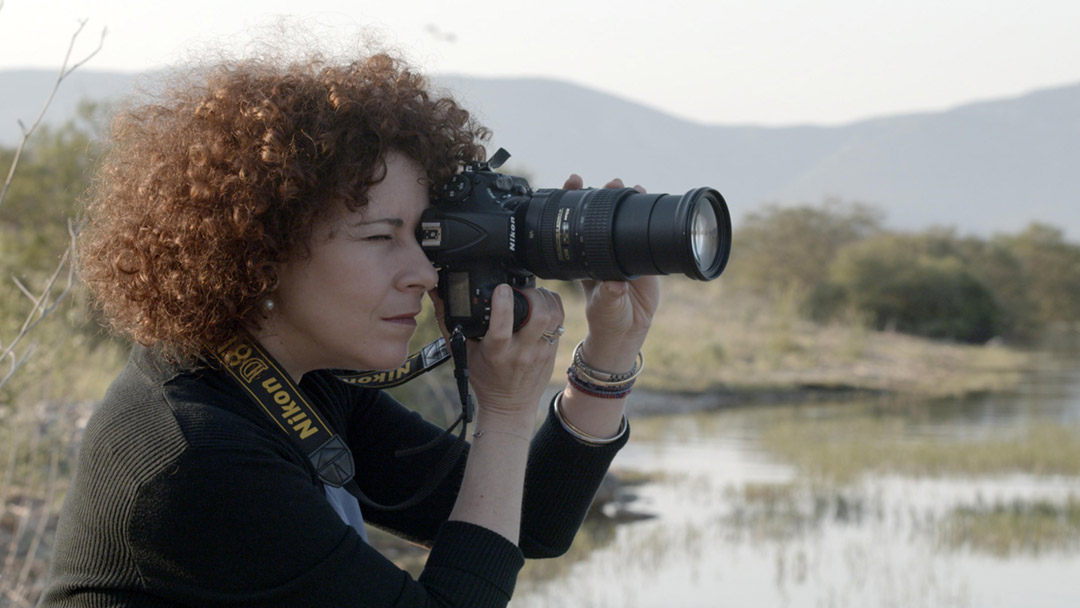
<point x="983" y="168"/>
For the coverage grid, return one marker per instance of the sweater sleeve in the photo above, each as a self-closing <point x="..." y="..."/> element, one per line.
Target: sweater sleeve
<point x="561" y="479"/>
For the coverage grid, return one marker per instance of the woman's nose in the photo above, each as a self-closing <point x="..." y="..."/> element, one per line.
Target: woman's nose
<point x="421" y="273"/>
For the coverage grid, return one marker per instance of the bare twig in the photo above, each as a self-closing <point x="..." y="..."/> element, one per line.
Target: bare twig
<point x="16" y="363"/>
<point x="40" y="308"/>
<point x="65" y="71"/>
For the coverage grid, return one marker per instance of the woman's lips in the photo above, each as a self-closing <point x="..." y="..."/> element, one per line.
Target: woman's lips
<point x="405" y="319"/>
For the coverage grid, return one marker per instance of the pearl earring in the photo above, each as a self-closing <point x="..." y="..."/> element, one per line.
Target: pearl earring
<point x="268" y="304"/>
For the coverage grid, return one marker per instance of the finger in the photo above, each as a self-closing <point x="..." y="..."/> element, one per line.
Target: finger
<point x="554" y="328"/>
<point x="640" y="188"/>
<point x="574" y="182"/>
<point x="439" y="312"/>
<point x="540" y="316"/>
<point x="616" y="289"/>
<point x="559" y="306"/>
<point x="436" y="301"/>
<point x="555" y="307"/>
<point x="501" y="324"/>
<point x="615" y="183"/>
<point x="608" y="293"/>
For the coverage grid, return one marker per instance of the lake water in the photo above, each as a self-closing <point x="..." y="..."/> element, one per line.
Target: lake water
<point x="733" y="526"/>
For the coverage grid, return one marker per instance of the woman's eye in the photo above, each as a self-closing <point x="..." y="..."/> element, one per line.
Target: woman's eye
<point x="379" y="237"/>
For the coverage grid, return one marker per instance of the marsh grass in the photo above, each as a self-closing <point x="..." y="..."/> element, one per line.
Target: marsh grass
<point x="840" y="448"/>
<point x="786" y="511"/>
<point x="834" y="447"/>
<point x="1004" y="529"/>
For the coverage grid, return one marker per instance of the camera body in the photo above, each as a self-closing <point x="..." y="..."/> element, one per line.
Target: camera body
<point x="485" y="228"/>
<point x="472" y="235"/>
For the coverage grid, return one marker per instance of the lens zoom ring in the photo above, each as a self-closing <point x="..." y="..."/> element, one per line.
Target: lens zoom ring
<point x="548" y="243"/>
<point x="596" y="233"/>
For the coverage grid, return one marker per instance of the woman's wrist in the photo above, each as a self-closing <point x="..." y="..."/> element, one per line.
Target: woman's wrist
<point x="610" y="356"/>
<point x="589" y="415"/>
<point x="519" y="422"/>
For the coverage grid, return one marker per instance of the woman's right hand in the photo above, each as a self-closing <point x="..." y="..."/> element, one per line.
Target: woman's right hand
<point x="509" y="370"/>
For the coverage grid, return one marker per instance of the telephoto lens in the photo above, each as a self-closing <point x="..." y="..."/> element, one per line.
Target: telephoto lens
<point x="616" y="234"/>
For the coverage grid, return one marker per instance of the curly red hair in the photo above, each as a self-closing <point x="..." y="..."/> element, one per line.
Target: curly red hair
<point x="204" y="192"/>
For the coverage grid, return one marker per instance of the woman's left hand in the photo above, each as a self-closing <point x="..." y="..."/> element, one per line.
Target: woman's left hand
<point x="619" y="313"/>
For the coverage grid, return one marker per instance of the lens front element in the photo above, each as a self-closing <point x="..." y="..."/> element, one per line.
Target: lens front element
<point x="704" y="237"/>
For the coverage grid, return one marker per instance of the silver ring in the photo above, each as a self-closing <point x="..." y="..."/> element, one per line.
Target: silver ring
<point x="553" y="336"/>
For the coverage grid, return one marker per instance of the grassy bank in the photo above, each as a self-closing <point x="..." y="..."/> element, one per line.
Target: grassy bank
<point x="706" y="338"/>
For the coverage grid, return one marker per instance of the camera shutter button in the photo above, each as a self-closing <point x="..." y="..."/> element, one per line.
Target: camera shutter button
<point x="504" y="183"/>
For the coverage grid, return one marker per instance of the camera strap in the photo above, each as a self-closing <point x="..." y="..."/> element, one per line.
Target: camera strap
<point x="260" y="376"/>
<point x="432" y="355"/>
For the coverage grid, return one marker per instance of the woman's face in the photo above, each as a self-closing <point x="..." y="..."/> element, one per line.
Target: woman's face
<point x="352" y="304"/>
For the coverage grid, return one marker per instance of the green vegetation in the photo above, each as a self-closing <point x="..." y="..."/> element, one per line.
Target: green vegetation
<point x="784" y="512"/>
<point x="935" y="284"/>
<point x="923" y="295"/>
<point x="1022" y="526"/>
<point x="711" y="337"/>
<point x="37" y="221"/>
<point x="838" y="445"/>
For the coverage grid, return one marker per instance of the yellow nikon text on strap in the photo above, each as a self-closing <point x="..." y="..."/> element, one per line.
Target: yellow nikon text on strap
<point x="281" y="400"/>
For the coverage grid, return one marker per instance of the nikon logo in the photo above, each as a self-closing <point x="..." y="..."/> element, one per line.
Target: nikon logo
<point x="290" y="412"/>
<point x="244" y="363"/>
<point x="513" y="234"/>
<point x="380" y="378"/>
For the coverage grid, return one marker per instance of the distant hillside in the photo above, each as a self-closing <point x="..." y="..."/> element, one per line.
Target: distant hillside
<point x="983" y="168"/>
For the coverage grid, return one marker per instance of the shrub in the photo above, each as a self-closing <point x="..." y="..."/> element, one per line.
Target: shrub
<point x="888" y="279"/>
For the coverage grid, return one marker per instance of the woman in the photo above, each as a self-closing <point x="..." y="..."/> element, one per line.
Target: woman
<point x="278" y="205"/>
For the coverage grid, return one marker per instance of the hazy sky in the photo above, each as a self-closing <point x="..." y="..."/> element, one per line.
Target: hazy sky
<point x="768" y="62"/>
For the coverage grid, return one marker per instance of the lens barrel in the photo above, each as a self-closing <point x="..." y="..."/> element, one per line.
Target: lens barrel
<point x="618" y="234"/>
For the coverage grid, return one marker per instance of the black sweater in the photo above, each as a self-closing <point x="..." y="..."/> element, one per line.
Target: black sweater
<point x="186" y="494"/>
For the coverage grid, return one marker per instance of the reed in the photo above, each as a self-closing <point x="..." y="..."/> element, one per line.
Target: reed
<point x="1018" y="527"/>
<point x="839" y="448"/>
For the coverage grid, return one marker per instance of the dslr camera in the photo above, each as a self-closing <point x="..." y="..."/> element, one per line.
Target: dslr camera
<point x="487" y="228"/>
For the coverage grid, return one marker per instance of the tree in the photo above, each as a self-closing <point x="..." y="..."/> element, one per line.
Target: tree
<point x="899" y="285"/>
<point x="779" y="249"/>
<point x="1052" y="269"/>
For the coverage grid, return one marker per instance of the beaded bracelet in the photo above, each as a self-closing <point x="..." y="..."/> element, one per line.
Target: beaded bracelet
<point x="604" y="392"/>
